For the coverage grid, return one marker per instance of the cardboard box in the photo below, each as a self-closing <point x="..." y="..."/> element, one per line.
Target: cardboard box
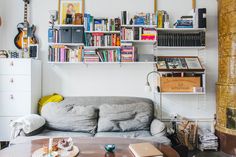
<point x="179" y="84"/>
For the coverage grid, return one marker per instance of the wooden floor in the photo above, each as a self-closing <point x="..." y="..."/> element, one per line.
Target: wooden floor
<point x="208" y="154"/>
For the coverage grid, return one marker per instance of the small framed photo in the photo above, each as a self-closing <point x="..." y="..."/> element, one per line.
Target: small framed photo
<point x="193" y="63"/>
<point x="68" y="9"/>
<point x="33" y="51"/>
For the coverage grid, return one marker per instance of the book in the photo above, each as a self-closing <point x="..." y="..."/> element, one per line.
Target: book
<point x="145" y="150"/>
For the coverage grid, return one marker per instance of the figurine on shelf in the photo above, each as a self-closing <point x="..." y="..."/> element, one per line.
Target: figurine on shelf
<point x="53" y="17"/>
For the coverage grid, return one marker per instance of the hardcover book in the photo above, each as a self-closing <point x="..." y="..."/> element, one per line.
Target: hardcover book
<point x="145" y="150"/>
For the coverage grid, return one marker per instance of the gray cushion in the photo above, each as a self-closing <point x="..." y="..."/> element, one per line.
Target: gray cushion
<point x="131" y="134"/>
<point x="47" y="134"/>
<point x="157" y="127"/>
<point x="70" y="117"/>
<point x="162" y="139"/>
<point x="125" y="117"/>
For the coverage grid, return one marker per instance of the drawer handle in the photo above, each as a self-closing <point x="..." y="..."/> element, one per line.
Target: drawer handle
<point x="12" y="80"/>
<point x="12" y="63"/>
<point x="11" y="97"/>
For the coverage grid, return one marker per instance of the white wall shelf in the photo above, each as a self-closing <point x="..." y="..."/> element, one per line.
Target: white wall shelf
<point x="183" y="29"/>
<point x="181" y="93"/>
<point x="102" y="47"/>
<point x="101" y="62"/>
<point x="105" y="32"/>
<point x="58" y="26"/>
<point x="144" y="26"/>
<point x="181" y="47"/>
<point x="139" y="41"/>
<point x="66" y="44"/>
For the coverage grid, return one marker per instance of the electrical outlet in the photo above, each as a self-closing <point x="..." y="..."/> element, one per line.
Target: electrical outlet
<point x="174" y="115"/>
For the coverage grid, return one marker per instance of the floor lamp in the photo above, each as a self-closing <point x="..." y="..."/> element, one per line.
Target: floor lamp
<point x="149" y="89"/>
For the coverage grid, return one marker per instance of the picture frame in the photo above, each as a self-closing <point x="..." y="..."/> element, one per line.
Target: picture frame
<point x="33" y="51"/>
<point x="193" y="63"/>
<point x="69" y="7"/>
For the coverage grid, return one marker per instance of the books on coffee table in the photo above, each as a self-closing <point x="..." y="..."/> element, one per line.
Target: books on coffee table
<point x="145" y="150"/>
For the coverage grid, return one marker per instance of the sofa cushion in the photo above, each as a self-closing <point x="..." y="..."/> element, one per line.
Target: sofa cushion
<point x="162" y="139"/>
<point x="125" y="117"/>
<point x="157" y="127"/>
<point x="131" y="134"/>
<point x="47" y="134"/>
<point x="70" y="117"/>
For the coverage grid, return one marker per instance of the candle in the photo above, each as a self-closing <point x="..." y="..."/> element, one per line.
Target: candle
<point x="50" y="145"/>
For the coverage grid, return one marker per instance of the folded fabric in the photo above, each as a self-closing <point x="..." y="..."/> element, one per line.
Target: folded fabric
<point x="27" y="124"/>
<point x="157" y="127"/>
<point x="50" y="98"/>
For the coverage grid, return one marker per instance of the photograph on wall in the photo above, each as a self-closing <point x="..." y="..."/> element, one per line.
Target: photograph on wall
<point x="69" y="9"/>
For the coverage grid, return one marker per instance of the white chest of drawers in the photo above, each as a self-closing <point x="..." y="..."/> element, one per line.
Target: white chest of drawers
<point x="20" y="90"/>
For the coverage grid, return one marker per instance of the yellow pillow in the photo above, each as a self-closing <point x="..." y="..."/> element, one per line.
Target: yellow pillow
<point x="49" y="98"/>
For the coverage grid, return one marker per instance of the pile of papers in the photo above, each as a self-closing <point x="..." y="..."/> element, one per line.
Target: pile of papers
<point x="207" y="140"/>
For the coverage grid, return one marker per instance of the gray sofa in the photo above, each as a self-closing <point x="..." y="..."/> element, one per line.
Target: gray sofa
<point x="127" y="117"/>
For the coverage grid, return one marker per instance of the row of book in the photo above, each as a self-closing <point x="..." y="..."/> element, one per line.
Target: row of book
<point x="139" y="19"/>
<point x="181" y="39"/>
<point x="128" y="54"/>
<point x="138" y="33"/>
<point x="53" y="35"/>
<point x="109" y="55"/>
<point x="101" y="24"/>
<point x="65" y="54"/>
<point x="101" y="39"/>
<point x="163" y="19"/>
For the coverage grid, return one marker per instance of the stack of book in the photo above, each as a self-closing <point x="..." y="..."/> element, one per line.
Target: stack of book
<point x="101" y="24"/>
<point x="115" y="24"/>
<point x="88" y="22"/>
<point x="65" y="54"/>
<point x="185" y="22"/>
<point x="90" y="55"/>
<point x="178" y="39"/>
<point x="138" y="33"/>
<point x="101" y="39"/>
<point x="127" y="33"/>
<point x="207" y="140"/>
<point x="139" y="19"/>
<point x="149" y="34"/>
<point x="128" y="54"/>
<point x="52" y="35"/>
<point x="109" y="55"/>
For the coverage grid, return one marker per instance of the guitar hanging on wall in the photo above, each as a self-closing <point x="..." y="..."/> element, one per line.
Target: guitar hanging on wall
<point x="26" y="33"/>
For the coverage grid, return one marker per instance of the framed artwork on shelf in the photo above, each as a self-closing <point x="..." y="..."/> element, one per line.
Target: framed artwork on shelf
<point x="179" y="63"/>
<point x="193" y="63"/>
<point x="69" y="9"/>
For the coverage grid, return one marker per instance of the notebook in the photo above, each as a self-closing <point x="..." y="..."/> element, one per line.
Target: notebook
<point x="145" y="150"/>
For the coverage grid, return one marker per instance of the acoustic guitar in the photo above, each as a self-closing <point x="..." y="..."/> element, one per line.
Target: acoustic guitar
<point x="26" y="33"/>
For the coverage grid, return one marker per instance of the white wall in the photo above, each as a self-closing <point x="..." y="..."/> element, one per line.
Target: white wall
<point x="128" y="80"/>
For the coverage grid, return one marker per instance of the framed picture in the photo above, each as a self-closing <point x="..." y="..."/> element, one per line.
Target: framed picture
<point x="68" y="9"/>
<point x="193" y="63"/>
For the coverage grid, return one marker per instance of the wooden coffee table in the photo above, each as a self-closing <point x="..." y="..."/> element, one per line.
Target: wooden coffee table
<point x="89" y="147"/>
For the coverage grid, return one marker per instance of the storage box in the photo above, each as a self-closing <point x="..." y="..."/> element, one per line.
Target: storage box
<point x="65" y="35"/>
<point x="78" y="35"/>
<point x="179" y="84"/>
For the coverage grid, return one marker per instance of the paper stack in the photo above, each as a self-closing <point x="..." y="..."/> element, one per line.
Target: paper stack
<point x="207" y="140"/>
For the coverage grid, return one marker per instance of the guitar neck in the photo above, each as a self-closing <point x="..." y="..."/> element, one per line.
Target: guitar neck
<point x="26" y="15"/>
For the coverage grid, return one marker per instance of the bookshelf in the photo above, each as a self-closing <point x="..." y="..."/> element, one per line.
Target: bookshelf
<point x="114" y="28"/>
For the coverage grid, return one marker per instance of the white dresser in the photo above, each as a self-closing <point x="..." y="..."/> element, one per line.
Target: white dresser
<point x="20" y="90"/>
